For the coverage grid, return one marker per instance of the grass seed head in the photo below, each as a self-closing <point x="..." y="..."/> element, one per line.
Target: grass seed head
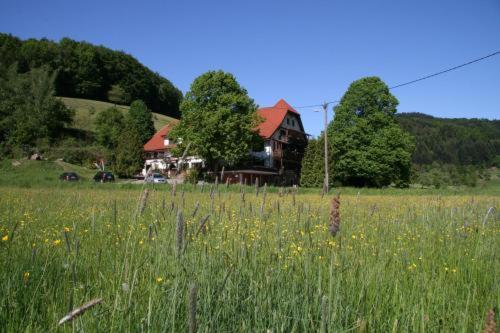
<point x="143" y="202"/>
<point x="193" y="290"/>
<point x="334" y="218"/>
<point x="179" y="233"/>
<point x="490" y="325"/>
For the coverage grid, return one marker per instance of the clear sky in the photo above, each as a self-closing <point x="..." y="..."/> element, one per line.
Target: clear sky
<point x="306" y="52"/>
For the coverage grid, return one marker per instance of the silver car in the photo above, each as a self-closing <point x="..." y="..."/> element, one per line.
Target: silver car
<point x="155" y="178"/>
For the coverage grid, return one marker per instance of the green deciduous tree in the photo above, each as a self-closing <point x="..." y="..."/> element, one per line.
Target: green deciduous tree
<point x="368" y="147"/>
<point x="117" y="95"/>
<point x="109" y="125"/>
<point x="140" y="118"/>
<point x="218" y="120"/>
<point x="313" y="168"/>
<point x="128" y="155"/>
<point x="29" y="111"/>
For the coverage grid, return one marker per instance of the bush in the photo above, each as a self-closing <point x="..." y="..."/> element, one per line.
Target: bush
<point x="192" y="176"/>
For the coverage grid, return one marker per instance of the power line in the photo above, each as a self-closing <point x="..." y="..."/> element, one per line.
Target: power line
<point x="446" y="70"/>
<point x="437" y="73"/>
<point x="415" y="80"/>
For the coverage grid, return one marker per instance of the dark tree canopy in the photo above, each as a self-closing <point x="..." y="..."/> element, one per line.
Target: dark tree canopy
<point x="109" y="125"/>
<point x="140" y="118"/>
<point x="29" y="111"/>
<point x="128" y="154"/>
<point x="368" y="147"/>
<point x="218" y="120"/>
<point x="313" y="168"/>
<point x="453" y="141"/>
<point x="93" y="72"/>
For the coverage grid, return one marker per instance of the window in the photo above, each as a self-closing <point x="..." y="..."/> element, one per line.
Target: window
<point x="293" y="123"/>
<point x="287" y="121"/>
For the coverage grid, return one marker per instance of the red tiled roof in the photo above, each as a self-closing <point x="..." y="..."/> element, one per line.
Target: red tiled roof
<point x="156" y="142"/>
<point x="273" y="117"/>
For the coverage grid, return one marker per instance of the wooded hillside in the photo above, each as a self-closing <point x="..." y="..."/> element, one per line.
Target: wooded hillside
<point x="453" y="141"/>
<point x="93" y="72"/>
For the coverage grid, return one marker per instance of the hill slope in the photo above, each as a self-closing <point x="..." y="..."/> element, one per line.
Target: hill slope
<point x="86" y="110"/>
<point x="453" y="141"/>
<point x="92" y="72"/>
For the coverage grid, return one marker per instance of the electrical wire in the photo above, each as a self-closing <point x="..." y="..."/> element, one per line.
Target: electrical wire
<point x="415" y="80"/>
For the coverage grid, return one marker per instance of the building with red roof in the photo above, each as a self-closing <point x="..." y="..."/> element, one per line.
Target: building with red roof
<point x="160" y="144"/>
<point x="284" y="137"/>
<point x="158" y="152"/>
<point x="284" y="145"/>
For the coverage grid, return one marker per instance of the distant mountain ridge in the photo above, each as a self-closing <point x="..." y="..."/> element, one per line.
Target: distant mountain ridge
<point x="93" y="72"/>
<point x="456" y="141"/>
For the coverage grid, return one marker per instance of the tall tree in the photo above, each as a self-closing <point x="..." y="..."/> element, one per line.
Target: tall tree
<point x="28" y="107"/>
<point x="128" y="154"/>
<point x="313" y="168"/>
<point x="368" y="146"/>
<point x="140" y="119"/>
<point x="218" y="120"/>
<point x="109" y="125"/>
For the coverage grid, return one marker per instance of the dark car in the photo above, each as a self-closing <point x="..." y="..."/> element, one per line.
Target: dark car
<point x="69" y="177"/>
<point x="104" y="177"/>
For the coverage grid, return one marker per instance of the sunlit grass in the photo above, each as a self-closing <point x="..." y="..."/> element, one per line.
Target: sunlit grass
<point x="399" y="263"/>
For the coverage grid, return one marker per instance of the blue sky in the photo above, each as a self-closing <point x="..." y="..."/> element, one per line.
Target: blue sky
<point x="306" y="52"/>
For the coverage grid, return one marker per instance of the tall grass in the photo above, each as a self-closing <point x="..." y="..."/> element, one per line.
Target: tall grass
<point x="409" y="263"/>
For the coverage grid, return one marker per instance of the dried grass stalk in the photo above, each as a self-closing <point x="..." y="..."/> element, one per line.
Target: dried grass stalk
<point x="203" y="225"/>
<point x="193" y="290"/>
<point x="196" y="207"/>
<point x="490" y="325"/>
<point x="334" y="219"/>
<point x="174" y="189"/>
<point x="80" y="310"/>
<point x="179" y="233"/>
<point x="143" y="202"/>
<point x="150" y="232"/>
<point x="324" y="314"/>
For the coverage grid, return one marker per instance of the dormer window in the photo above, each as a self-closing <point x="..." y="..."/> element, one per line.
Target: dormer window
<point x="166" y="141"/>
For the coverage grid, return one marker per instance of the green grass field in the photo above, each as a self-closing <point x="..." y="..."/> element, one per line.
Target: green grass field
<point x="86" y="110"/>
<point x="266" y="263"/>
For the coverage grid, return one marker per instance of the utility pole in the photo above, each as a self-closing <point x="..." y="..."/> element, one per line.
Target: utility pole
<point x="325" y="182"/>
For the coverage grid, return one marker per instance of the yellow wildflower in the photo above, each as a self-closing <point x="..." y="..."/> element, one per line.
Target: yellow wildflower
<point x="56" y="242"/>
<point x="5" y="238"/>
<point x="26" y="276"/>
<point x="159" y="279"/>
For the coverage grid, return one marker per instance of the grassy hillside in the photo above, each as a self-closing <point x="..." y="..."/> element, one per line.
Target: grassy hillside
<point x="28" y="173"/>
<point x="86" y="110"/>
<point x="92" y="72"/>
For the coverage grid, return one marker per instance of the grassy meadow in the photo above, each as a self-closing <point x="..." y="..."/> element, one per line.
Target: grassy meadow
<point x="86" y="110"/>
<point x="228" y="260"/>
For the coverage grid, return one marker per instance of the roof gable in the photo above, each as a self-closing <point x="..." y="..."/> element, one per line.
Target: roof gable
<point x="156" y="142"/>
<point x="273" y="118"/>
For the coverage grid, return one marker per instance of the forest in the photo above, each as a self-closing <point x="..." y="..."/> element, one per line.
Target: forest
<point x="453" y="141"/>
<point x="92" y="72"/>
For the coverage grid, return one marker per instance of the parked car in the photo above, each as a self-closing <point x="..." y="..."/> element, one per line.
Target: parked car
<point x="104" y="177"/>
<point x="69" y="177"/>
<point x="156" y="178"/>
